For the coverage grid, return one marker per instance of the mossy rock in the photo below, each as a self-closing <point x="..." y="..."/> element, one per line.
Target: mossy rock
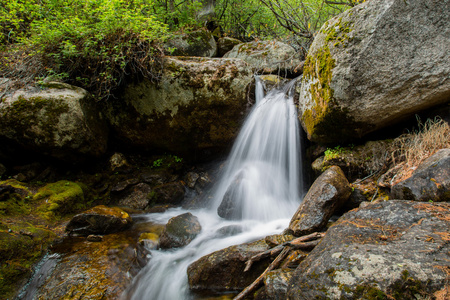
<point x="14" y="198"/>
<point x="61" y="198"/>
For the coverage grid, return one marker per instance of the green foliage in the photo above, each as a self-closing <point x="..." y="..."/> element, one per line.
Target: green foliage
<point x="331" y="153"/>
<point x="167" y="161"/>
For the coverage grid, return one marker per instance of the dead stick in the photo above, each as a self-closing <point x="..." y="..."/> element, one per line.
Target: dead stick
<point x="297" y="244"/>
<point x="259" y="280"/>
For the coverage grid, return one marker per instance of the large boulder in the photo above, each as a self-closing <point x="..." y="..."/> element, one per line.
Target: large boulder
<point x="223" y="270"/>
<point x="373" y="65"/>
<point x="197" y="43"/>
<point x="327" y="194"/>
<point x="198" y="105"/>
<point x="59" y="120"/>
<point x="268" y="57"/>
<point x="387" y="250"/>
<point x="430" y="181"/>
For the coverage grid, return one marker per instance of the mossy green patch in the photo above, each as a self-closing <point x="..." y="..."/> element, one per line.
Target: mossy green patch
<point x="61" y="198"/>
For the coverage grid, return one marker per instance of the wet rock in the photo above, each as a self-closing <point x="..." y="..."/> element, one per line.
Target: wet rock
<point x="230" y="207"/>
<point x="430" y="181"/>
<point x="278" y="239"/>
<point x="195" y="110"/>
<point x="223" y="270"/>
<point x="123" y="185"/>
<point x="363" y="58"/>
<point x="118" y="162"/>
<point x="191" y="179"/>
<point x="149" y="240"/>
<point x="10" y="187"/>
<point x="99" y="220"/>
<point x="226" y="44"/>
<point x="94" y="238"/>
<point x="179" y="231"/>
<point x="268" y="57"/>
<point x="136" y="197"/>
<point x="197" y="43"/>
<point x="327" y="194"/>
<point x="394" y="248"/>
<point x="87" y="270"/>
<point x="60" y="120"/>
<point x="229" y="230"/>
<point x="169" y="193"/>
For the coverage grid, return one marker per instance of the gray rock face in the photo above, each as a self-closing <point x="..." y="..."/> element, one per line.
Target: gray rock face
<point x="325" y="196"/>
<point x="198" y="43"/>
<point x="276" y="283"/>
<point x="59" y="121"/>
<point x="268" y="57"/>
<point x="180" y="231"/>
<point x="392" y="248"/>
<point x="198" y="105"/>
<point x="223" y="270"/>
<point x="430" y="181"/>
<point x="374" y="65"/>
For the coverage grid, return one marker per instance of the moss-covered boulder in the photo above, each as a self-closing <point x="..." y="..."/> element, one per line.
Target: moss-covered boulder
<point x="99" y="220"/>
<point x="267" y="57"/>
<point x="371" y="66"/>
<point x="61" y="198"/>
<point x="198" y="106"/>
<point x="197" y="43"/>
<point x="58" y="120"/>
<point x="387" y="250"/>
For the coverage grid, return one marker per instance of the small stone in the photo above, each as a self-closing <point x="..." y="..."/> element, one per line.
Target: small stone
<point x="94" y="238"/>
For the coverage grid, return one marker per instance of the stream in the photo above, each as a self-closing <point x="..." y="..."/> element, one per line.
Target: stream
<point x="260" y="188"/>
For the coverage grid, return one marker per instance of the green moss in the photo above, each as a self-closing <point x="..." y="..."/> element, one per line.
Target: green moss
<point x="61" y="198"/>
<point x="369" y="293"/>
<point x="409" y="288"/>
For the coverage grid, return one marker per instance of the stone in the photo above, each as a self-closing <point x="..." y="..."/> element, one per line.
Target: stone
<point x="276" y="283"/>
<point x="136" y="196"/>
<point x="327" y="194"/>
<point x="191" y="179"/>
<point x="226" y="44"/>
<point x="364" y="72"/>
<point x="430" y="181"/>
<point x="99" y="220"/>
<point x="179" y="231"/>
<point x="391" y="249"/>
<point x="197" y="43"/>
<point x="169" y="193"/>
<point x="196" y="109"/>
<point x="223" y="270"/>
<point x="60" y="120"/>
<point x="268" y="57"/>
<point x="118" y="162"/>
<point x="2" y="170"/>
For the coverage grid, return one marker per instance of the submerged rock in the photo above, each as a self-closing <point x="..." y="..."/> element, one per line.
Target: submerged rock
<point x="365" y="72"/>
<point x="99" y="220"/>
<point x="197" y="107"/>
<point x="394" y="248"/>
<point x="60" y="120"/>
<point x="327" y="194"/>
<point x="223" y="270"/>
<point x="430" y="181"/>
<point x="180" y="231"/>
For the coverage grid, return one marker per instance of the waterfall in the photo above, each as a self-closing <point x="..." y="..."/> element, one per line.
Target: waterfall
<point x="259" y="190"/>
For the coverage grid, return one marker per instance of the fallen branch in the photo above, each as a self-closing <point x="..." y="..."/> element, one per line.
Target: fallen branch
<point x="259" y="280"/>
<point x="307" y="242"/>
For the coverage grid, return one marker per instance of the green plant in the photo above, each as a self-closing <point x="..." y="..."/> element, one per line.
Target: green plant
<point x="332" y="153"/>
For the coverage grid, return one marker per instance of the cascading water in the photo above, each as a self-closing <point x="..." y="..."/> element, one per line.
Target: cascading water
<point x="260" y="185"/>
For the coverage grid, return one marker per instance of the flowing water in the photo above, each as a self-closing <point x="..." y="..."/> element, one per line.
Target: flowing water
<point x="261" y="179"/>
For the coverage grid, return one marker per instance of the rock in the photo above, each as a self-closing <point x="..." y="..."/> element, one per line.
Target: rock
<point x="118" y="162"/>
<point x="231" y="206"/>
<point x="169" y="193"/>
<point x="99" y="220"/>
<point x="197" y="43"/>
<point x="62" y="197"/>
<point x="226" y="44"/>
<point x="363" y="58"/>
<point x="268" y="57"/>
<point x="326" y="195"/>
<point x="123" y="185"/>
<point x="94" y="238"/>
<point x="60" y="120"/>
<point x="278" y="239"/>
<point x="276" y="283"/>
<point x="136" y="197"/>
<point x="430" y="181"/>
<point x="197" y="106"/>
<point x="179" y="231"/>
<point x="149" y="240"/>
<point x="391" y="249"/>
<point x="2" y="170"/>
<point x="191" y="179"/>
<point x="87" y="270"/>
<point x="223" y="270"/>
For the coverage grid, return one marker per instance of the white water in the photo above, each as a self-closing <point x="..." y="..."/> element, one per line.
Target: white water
<point x="264" y="171"/>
